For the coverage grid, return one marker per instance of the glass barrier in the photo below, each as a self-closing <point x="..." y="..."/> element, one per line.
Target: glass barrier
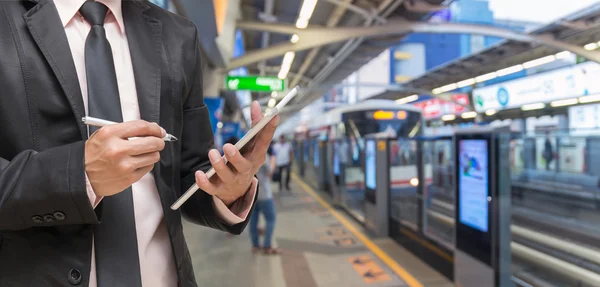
<point x="404" y="202"/>
<point x="555" y="207"/>
<point x="438" y="165"/>
<point x="353" y="197"/>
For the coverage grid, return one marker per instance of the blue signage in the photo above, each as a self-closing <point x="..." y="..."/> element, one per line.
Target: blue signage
<point x="503" y="96"/>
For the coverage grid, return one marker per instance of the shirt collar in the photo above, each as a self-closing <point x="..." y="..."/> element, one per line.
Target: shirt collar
<point x="67" y="9"/>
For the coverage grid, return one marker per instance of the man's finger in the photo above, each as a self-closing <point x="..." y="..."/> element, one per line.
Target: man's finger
<point x="238" y="161"/>
<point x="222" y="170"/>
<point x="144" y="145"/>
<point x="138" y="128"/>
<point x="145" y="159"/>
<point x="264" y="138"/>
<point x="255" y="112"/>
<point x="204" y="183"/>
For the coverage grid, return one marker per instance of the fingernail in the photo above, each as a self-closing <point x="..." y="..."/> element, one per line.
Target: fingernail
<point x="164" y="132"/>
<point x="230" y="150"/>
<point x="214" y="156"/>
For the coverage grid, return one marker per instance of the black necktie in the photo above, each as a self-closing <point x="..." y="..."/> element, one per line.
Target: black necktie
<point x="117" y="258"/>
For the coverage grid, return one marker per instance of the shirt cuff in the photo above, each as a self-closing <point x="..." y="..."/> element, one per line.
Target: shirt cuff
<point x="240" y="208"/>
<point x="94" y="199"/>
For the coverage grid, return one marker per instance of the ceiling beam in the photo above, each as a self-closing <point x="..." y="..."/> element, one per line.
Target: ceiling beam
<point x="319" y="36"/>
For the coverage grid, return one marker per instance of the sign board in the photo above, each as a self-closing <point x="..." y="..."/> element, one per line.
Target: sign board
<point x="565" y="83"/>
<point x="255" y="83"/>
<point x="436" y="108"/>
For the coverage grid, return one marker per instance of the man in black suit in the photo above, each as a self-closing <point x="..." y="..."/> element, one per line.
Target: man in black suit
<point x="90" y="207"/>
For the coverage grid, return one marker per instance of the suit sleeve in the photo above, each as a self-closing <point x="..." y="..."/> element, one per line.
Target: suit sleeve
<point x="197" y="140"/>
<point x="45" y="188"/>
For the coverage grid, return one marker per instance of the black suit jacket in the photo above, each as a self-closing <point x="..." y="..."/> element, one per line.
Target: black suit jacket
<point x="46" y="220"/>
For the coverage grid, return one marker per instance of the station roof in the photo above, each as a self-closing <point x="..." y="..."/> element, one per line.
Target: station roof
<point x="327" y="13"/>
<point x="579" y="28"/>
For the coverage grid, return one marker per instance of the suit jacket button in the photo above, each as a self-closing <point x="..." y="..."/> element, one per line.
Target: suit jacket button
<point x="49" y="218"/>
<point x="59" y="215"/>
<point x="37" y="219"/>
<point x="74" y="277"/>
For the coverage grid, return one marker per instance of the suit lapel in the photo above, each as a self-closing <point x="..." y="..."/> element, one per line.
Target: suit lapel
<point x="145" y="45"/>
<point x="47" y="31"/>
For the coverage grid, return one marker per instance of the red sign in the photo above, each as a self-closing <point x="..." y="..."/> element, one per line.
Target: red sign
<point x="435" y="108"/>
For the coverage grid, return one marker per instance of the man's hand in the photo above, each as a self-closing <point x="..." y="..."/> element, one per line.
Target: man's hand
<point x="113" y="163"/>
<point x="233" y="182"/>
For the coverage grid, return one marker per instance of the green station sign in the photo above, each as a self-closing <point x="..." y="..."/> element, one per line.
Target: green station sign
<point x="255" y="83"/>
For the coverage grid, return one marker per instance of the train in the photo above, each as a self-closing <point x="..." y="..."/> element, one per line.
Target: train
<point x="556" y="193"/>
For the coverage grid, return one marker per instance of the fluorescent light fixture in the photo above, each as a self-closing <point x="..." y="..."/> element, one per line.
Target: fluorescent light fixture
<point x="468" y="115"/>
<point x="591" y="46"/>
<point x="589" y="99"/>
<point x="445" y="88"/>
<point x="408" y="99"/>
<point x="562" y="103"/>
<point x="490" y="112"/>
<point x="563" y="55"/>
<point x="531" y="107"/>
<point x="486" y="77"/>
<point x="273" y="94"/>
<point x="538" y="62"/>
<point x="308" y="7"/>
<point x="219" y="125"/>
<point x="509" y="70"/>
<point x="467" y="82"/>
<point x="272" y="103"/>
<point x="286" y="64"/>
<point x="447" y="118"/>
<point x="295" y="38"/>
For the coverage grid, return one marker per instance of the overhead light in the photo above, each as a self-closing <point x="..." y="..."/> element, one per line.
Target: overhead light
<point x="467" y="82"/>
<point x="447" y="118"/>
<point x="531" y="107"/>
<point x="486" y="77"/>
<point x="589" y="99"/>
<point x="286" y="64"/>
<point x="490" y="112"/>
<point x="308" y="7"/>
<point x="295" y="38"/>
<point x="220" y="125"/>
<point x="272" y="103"/>
<point x="538" y="62"/>
<point x="408" y="99"/>
<point x="444" y="89"/>
<point x="468" y="115"/>
<point x="563" y="55"/>
<point x="273" y="94"/>
<point x="562" y="103"/>
<point x="509" y="70"/>
<point x="591" y="46"/>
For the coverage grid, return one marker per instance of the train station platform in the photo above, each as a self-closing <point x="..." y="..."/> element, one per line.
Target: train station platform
<point x="321" y="246"/>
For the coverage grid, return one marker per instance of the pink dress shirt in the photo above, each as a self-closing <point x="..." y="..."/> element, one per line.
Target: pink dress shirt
<point x="156" y="258"/>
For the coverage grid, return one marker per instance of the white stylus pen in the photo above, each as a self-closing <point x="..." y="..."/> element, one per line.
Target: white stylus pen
<point x="91" y="121"/>
<point x="240" y="144"/>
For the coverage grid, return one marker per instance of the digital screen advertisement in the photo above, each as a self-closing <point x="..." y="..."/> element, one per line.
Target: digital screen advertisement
<point x="473" y="183"/>
<point x="316" y="157"/>
<point x="370" y="165"/>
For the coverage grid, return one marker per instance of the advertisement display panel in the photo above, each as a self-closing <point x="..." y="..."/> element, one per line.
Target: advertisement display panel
<point x="370" y="168"/>
<point x="474" y="183"/>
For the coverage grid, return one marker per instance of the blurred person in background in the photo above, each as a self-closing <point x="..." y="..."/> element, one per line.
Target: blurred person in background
<point x="265" y="205"/>
<point x="283" y="157"/>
